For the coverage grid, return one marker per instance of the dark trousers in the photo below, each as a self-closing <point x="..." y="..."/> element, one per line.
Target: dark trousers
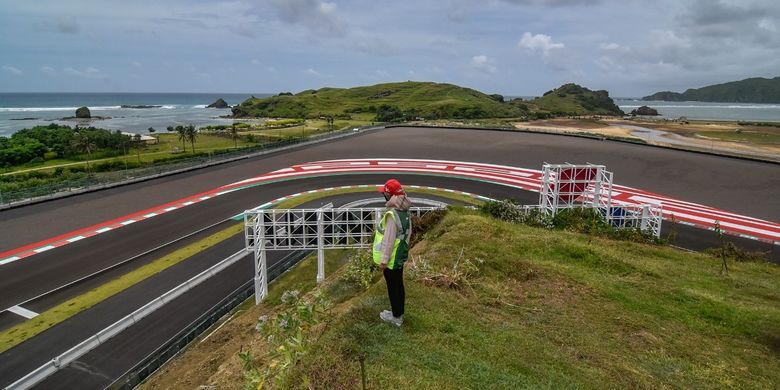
<point x="395" y="290"/>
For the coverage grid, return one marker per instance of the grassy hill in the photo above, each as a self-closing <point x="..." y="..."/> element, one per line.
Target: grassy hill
<point x="541" y="309"/>
<point x="418" y="99"/>
<point x="752" y="90"/>
<point x="411" y="100"/>
<point x="499" y="305"/>
<point x="572" y="99"/>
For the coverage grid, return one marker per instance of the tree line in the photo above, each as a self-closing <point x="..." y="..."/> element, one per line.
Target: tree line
<point x="58" y="141"/>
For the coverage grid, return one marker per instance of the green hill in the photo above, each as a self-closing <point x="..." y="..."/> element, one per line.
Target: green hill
<point x="412" y="100"/>
<point x="753" y="90"/>
<point x="572" y="99"/>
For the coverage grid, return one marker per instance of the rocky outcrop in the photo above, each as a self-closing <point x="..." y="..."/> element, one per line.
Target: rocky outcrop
<point x="83" y="113"/>
<point x="644" y="111"/>
<point x="139" y="106"/>
<point x="219" y="103"/>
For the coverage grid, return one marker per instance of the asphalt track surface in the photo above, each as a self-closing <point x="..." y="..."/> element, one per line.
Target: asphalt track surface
<point x="746" y="187"/>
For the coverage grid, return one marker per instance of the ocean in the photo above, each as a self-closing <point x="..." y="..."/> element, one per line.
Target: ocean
<point x="750" y="112"/>
<point x="23" y="110"/>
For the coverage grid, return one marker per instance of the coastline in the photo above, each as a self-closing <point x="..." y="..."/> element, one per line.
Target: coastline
<point x="691" y="135"/>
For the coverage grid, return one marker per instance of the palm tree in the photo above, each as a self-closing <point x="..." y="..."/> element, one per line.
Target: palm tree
<point x="137" y="143"/>
<point x="234" y="134"/>
<point x="191" y="135"/>
<point x="151" y="132"/>
<point x="81" y="143"/>
<point x="182" y="131"/>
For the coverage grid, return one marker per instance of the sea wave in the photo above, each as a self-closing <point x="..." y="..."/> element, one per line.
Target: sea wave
<point x="34" y="109"/>
<point x="750" y="107"/>
<point x="168" y="106"/>
<point x="199" y="106"/>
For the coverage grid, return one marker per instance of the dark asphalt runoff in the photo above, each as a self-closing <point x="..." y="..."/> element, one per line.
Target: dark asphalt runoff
<point x="746" y="187"/>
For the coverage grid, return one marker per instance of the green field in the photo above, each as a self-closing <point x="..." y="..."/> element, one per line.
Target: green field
<point x="169" y="146"/>
<point x="754" y="137"/>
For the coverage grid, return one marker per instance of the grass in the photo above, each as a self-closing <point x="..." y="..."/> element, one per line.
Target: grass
<point x="551" y="309"/>
<point x="19" y="333"/>
<point x="754" y="137"/>
<point x="169" y="146"/>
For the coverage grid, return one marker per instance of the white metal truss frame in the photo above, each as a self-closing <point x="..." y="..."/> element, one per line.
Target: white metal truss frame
<point x="309" y="229"/>
<point x="644" y="217"/>
<point x="566" y="186"/>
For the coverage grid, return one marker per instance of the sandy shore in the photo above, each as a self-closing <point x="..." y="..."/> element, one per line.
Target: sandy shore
<point x="691" y="135"/>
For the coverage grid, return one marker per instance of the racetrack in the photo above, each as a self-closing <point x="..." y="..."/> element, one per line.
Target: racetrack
<point x="746" y="187"/>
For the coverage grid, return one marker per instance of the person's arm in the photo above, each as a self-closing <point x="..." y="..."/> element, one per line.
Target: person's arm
<point x="388" y="242"/>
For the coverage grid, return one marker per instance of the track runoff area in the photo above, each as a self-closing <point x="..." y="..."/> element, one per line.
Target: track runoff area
<point x="675" y="210"/>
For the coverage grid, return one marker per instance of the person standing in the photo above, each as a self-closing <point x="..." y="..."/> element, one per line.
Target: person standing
<point x="391" y="248"/>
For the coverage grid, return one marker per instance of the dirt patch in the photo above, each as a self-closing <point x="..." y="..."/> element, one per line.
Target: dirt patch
<point x="585" y="126"/>
<point x="690" y="135"/>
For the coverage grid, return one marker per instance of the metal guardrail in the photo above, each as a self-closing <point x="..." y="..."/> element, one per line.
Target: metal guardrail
<point x="100" y="181"/>
<point x="171" y="348"/>
<point x="67" y="357"/>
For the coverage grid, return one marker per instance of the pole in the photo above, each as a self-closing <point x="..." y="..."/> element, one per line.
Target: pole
<point x="320" y="249"/>
<point x="261" y="271"/>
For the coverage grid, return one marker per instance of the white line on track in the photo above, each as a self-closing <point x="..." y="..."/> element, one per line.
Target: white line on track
<point x="29" y="314"/>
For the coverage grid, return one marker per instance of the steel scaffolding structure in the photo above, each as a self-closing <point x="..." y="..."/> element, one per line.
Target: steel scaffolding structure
<point x="566" y="186"/>
<point x="312" y="229"/>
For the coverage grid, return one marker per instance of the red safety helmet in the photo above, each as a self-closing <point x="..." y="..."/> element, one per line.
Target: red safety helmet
<point x="392" y="187"/>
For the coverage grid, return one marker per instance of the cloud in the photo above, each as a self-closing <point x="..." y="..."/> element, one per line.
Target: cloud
<point x="553" y="3"/>
<point x="315" y="15"/>
<point x="137" y="64"/>
<point x="48" y="70"/>
<point x="87" y="73"/>
<point x="609" y="46"/>
<point x="312" y="72"/>
<point x="64" y="26"/>
<point x="539" y="44"/>
<point x="483" y="64"/>
<point x="13" y="70"/>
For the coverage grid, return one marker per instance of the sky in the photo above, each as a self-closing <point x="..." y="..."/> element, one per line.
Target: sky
<point x="631" y="48"/>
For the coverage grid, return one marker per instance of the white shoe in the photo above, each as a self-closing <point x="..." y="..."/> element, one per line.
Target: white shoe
<point x="387" y="316"/>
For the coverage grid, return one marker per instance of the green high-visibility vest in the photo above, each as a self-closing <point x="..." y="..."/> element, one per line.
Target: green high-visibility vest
<point x="400" y="252"/>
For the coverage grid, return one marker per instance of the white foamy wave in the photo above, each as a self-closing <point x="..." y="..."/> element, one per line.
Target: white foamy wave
<point x="34" y="109"/>
<point x="749" y="107"/>
<point x="168" y="106"/>
<point x="199" y="106"/>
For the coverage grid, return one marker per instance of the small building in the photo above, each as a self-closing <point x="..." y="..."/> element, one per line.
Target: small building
<point x="149" y="140"/>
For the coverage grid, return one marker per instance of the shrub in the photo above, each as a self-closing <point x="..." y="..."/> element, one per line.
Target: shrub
<point x="359" y="271"/>
<point x="288" y="337"/>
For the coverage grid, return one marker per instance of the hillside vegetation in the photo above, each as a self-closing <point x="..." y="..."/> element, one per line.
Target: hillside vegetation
<point x="533" y="308"/>
<point x="752" y="90"/>
<point x="423" y="100"/>
<point x="500" y="305"/>
<point x="572" y="99"/>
